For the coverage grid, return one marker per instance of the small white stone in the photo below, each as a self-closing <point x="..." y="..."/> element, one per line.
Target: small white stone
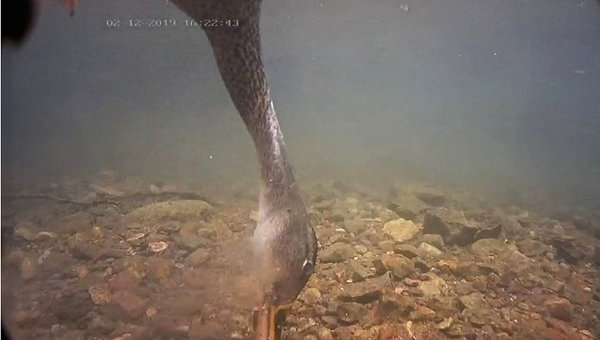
<point x="157" y="247"/>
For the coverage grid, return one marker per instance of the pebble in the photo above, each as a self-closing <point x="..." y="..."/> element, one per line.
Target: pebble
<point x="28" y="268"/>
<point x="311" y="296"/>
<point x="99" y="294"/>
<point x="157" y="247"/>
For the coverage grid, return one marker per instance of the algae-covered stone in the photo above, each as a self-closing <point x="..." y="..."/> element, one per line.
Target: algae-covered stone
<point x="198" y="257"/>
<point x="180" y="210"/>
<point x="337" y="252"/>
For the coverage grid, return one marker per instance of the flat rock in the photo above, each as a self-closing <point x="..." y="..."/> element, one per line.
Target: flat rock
<point x="386" y="245"/>
<point x="337" y="252"/>
<point x="367" y="291"/>
<point x="133" y="305"/>
<point x="73" y="223"/>
<point x="568" y="251"/>
<point x="197" y="258"/>
<point x="421" y="313"/>
<point x="395" y="306"/>
<point x="532" y="248"/>
<point x="407" y="250"/>
<point x="435" y="240"/>
<point x="179" y="210"/>
<point x="359" y="271"/>
<point x="488" y="246"/>
<point x="429" y="251"/>
<point x="355" y="226"/>
<point x="400" y="266"/>
<point x="401" y="230"/>
<point x="559" y="308"/>
<point x="351" y="312"/>
<point x="432" y="198"/>
<point x="474" y="302"/>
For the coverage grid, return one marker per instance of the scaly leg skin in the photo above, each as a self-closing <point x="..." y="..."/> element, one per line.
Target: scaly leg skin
<point x="267" y="321"/>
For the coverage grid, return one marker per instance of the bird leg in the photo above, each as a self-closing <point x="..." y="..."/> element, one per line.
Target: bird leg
<point x="267" y="321"/>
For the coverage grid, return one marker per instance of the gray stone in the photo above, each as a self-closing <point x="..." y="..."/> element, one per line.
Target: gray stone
<point x="395" y="306"/>
<point x="400" y="266"/>
<point x="386" y="245"/>
<point x="474" y="301"/>
<point x="360" y="249"/>
<point x="429" y="251"/>
<point x="432" y="198"/>
<point x="532" y="248"/>
<point x="421" y="313"/>
<point x="407" y="250"/>
<point x="401" y="230"/>
<point x="462" y="234"/>
<point x="359" y="272"/>
<point x="435" y="240"/>
<point x="488" y="246"/>
<point x="433" y="224"/>
<point x="432" y="287"/>
<point x="367" y="291"/>
<point x="355" y="226"/>
<point x="180" y="210"/>
<point x="337" y="252"/>
<point x="198" y="257"/>
<point x="311" y="296"/>
<point x="351" y="312"/>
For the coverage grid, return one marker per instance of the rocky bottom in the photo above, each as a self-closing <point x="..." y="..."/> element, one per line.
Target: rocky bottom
<point x="116" y="259"/>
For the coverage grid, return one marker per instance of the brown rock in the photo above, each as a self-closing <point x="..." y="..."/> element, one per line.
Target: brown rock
<point x="197" y="258"/>
<point x="160" y="268"/>
<point x="559" y="308"/>
<point x="124" y="280"/>
<point x="351" y="312"/>
<point x="133" y="305"/>
<point x="400" y="266"/>
<point x="422" y="313"/>
<point x="337" y="252"/>
<point x="99" y="294"/>
<point x="194" y="278"/>
<point x="367" y="291"/>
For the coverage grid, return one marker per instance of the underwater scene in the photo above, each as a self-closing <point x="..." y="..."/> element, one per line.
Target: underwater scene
<point x="310" y="170"/>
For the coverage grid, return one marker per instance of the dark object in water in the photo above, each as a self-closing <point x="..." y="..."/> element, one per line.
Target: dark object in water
<point x="17" y="20"/>
<point x="5" y="335"/>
